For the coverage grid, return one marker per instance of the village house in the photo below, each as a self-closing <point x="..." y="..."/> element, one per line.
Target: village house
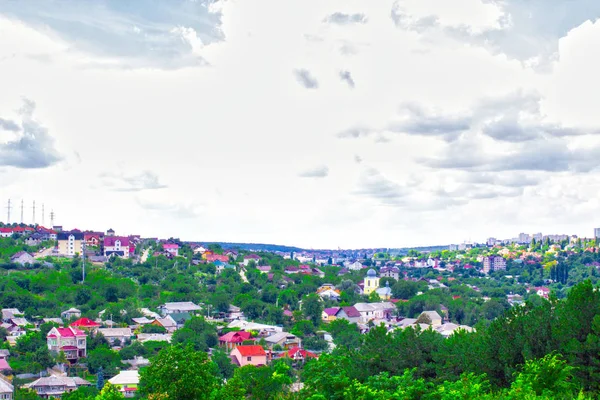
<point x="127" y="383"/>
<point x="34" y="239"/>
<point x="433" y="316"/>
<point x="93" y="239"/>
<point x="283" y="339"/>
<point x="390" y="272"/>
<point x="299" y="355"/>
<point x="329" y="314"/>
<point x="71" y="313"/>
<point x="86" y="324"/>
<point x="71" y="341"/>
<point x="249" y="355"/>
<point x="171" y="248"/>
<point x="10" y="313"/>
<point x="47" y="234"/>
<point x="6" y="232"/>
<point x="179" y="307"/>
<point x="351" y="314"/>
<point x="116" y="246"/>
<point x="369" y="311"/>
<point x="167" y="322"/>
<point x="56" y="386"/>
<point x="231" y="340"/>
<point x="6" y="390"/>
<point x="251" y="257"/>
<point x="116" y="336"/>
<point x="22" y="258"/>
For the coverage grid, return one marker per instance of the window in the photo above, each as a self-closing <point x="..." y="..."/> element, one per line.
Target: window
<point x="249" y="358"/>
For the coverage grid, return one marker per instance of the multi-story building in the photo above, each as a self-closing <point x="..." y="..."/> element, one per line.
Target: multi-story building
<point x="493" y="263"/>
<point x="116" y="245"/>
<point x="597" y="233"/>
<point x="53" y="387"/>
<point x="70" y="243"/>
<point x="524" y="238"/>
<point x="71" y="341"/>
<point x="390" y="272"/>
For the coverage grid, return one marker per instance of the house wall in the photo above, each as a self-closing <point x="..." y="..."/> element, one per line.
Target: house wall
<point x="69" y="247"/>
<point x="253" y="360"/>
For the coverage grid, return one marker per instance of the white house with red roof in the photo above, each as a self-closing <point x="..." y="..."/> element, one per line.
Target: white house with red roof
<point x="116" y="245"/>
<point x="171" y="248"/>
<point x="6" y="232"/>
<point x="251" y="257"/>
<point x="71" y="341"/>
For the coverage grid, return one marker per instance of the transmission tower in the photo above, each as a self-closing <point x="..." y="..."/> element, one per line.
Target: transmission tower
<point x="51" y="219"/>
<point x="43" y="216"/>
<point x="21" y="210"/>
<point x="34" y="212"/>
<point x="8" y="212"/>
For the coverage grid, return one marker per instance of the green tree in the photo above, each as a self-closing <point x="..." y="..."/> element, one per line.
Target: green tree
<point x="181" y="373"/>
<point x="312" y="306"/>
<point x="109" y="392"/>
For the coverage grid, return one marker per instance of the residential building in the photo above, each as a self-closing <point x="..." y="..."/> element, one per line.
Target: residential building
<point x="167" y="322"/>
<point x="116" y="246"/>
<point x="93" y="239"/>
<point x="371" y="282"/>
<point x="597" y="233"/>
<point x="56" y="386"/>
<point x="369" y="311"/>
<point x="231" y="340"/>
<point x="353" y="266"/>
<point x="85" y="323"/>
<point x="70" y="243"/>
<point x="328" y="314"/>
<point x="7" y="390"/>
<point x="389" y="272"/>
<point x="299" y="355"/>
<point x="6" y="232"/>
<point x="493" y="263"/>
<point x="249" y="355"/>
<point x="351" y="314"/>
<point x="10" y="313"/>
<point x="171" y="248"/>
<point x="22" y="258"/>
<point x="251" y="257"/>
<point x="179" y="307"/>
<point x="127" y="382"/>
<point x="71" y="341"/>
<point x="116" y="336"/>
<point x="433" y="316"/>
<point x="284" y="339"/>
<point x="71" y="313"/>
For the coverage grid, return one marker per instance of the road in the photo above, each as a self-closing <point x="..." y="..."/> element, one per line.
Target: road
<point x="44" y="253"/>
<point x="145" y="255"/>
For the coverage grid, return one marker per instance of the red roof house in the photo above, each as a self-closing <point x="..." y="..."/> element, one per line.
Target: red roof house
<point x="298" y="354"/>
<point x="249" y="355"/>
<point x="232" y="339"/>
<point x="85" y="323"/>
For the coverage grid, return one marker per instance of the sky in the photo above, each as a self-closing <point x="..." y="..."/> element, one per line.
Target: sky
<point x="314" y="123"/>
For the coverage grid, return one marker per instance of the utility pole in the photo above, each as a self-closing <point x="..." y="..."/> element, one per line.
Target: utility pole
<point x="83" y="262"/>
<point x="21" y="210"/>
<point x="8" y="213"/>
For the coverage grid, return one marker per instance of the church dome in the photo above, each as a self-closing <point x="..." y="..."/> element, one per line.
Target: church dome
<point x="371" y="273"/>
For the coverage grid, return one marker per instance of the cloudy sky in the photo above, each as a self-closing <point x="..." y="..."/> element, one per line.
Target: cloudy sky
<point x="317" y="123"/>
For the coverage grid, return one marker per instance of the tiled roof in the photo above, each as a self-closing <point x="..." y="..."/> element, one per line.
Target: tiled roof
<point x="85" y="323"/>
<point x="111" y="240"/>
<point x="253" y="350"/>
<point x="235" y="337"/>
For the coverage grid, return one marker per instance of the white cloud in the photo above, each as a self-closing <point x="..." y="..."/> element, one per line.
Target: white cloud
<point x="213" y="107"/>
